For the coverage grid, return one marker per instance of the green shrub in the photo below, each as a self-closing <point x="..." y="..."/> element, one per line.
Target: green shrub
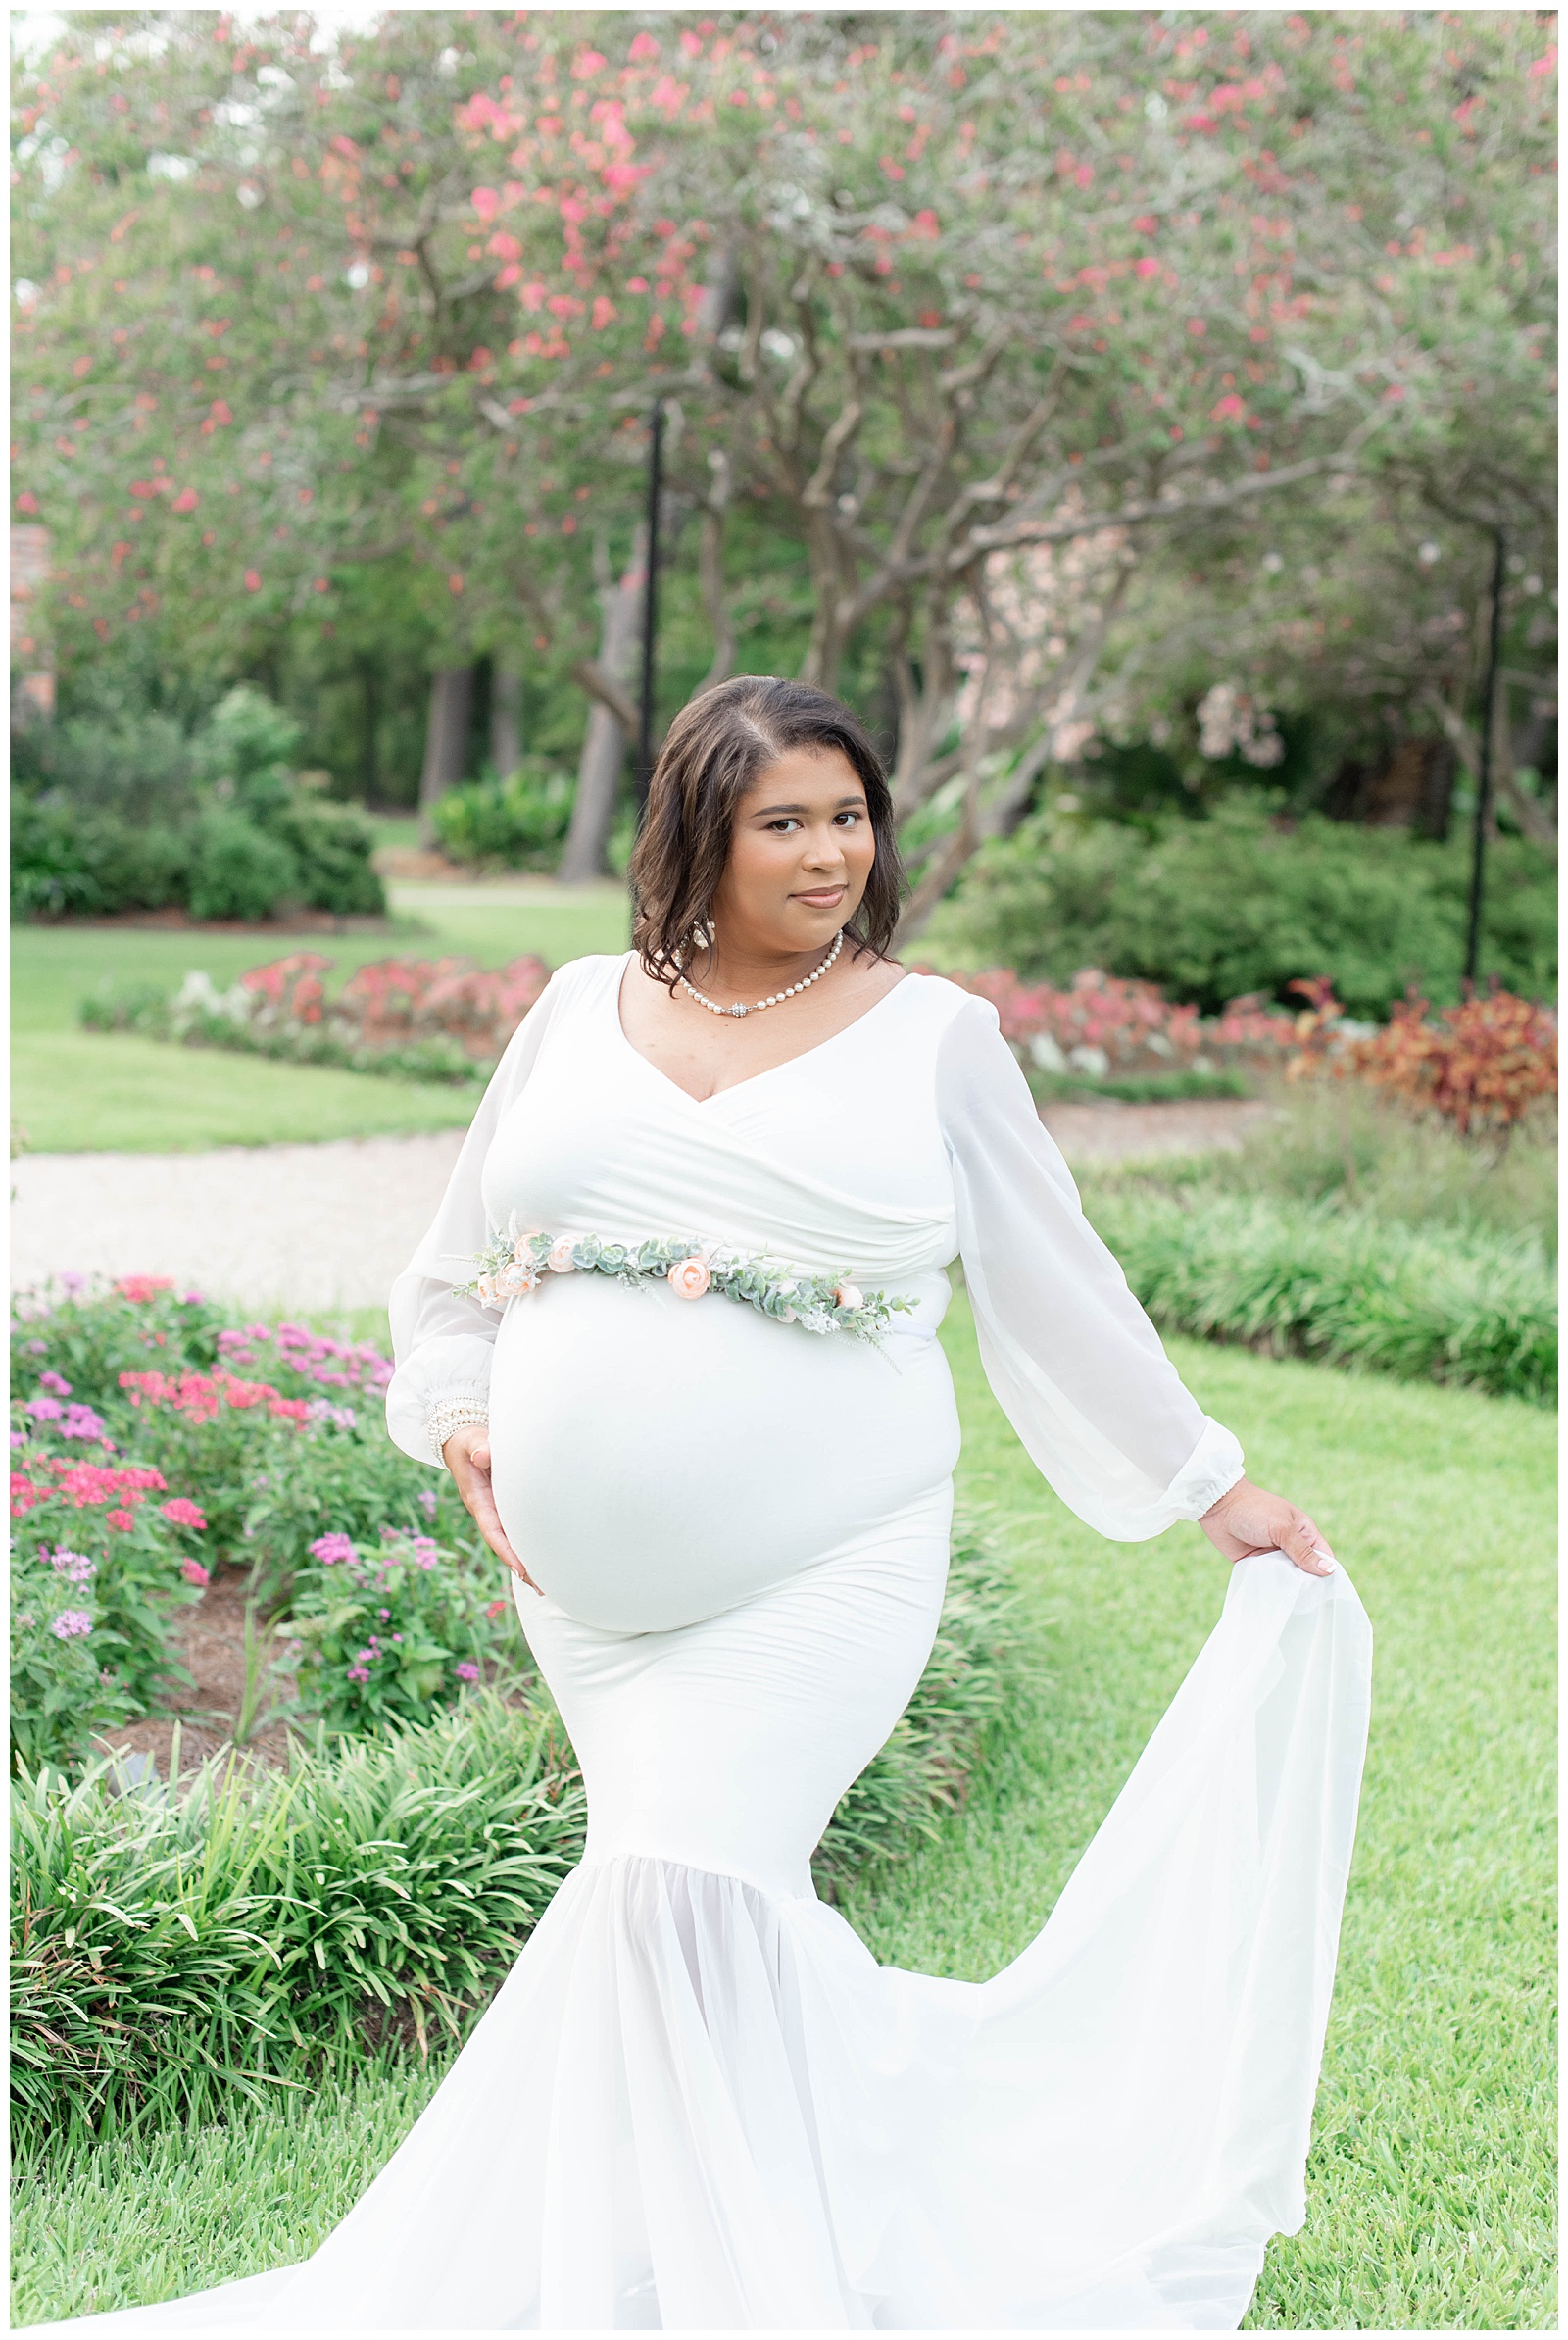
<point x="237" y="871"/>
<point x="130" y="815"/>
<point x="332" y="845"/>
<point x="517" y="822"/>
<point x="1215" y="908"/>
<point x="1472" y="1308"/>
<point x="71" y="862"/>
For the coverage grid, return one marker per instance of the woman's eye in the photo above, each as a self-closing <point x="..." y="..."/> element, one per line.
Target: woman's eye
<point x="784" y="825"/>
<point x="851" y="817"/>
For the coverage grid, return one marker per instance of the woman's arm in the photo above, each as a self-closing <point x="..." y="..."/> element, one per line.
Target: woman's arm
<point x="1074" y="1362"/>
<point x="437" y="1401"/>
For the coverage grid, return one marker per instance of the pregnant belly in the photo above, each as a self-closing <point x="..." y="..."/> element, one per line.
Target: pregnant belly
<point x="659" y="1460"/>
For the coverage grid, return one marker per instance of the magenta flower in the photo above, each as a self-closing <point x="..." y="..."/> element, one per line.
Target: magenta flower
<point x="184" y="1513"/>
<point x="70" y="1624"/>
<point x="45" y="1408"/>
<point x="193" y="1572"/>
<point x="75" y="1566"/>
<point x="56" y="1382"/>
<point x="467" y="1671"/>
<point x="80" y="1423"/>
<point x="330" y="1549"/>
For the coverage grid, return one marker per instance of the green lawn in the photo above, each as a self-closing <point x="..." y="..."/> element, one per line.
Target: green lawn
<point x="1432" y="2186"/>
<point x="75" y="1091"/>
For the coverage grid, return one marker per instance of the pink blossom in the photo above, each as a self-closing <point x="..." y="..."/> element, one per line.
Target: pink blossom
<point x="183" y="1512"/>
<point x="121" y="1518"/>
<point x="689" y="1280"/>
<point x="194" y="1573"/>
<point x="71" y="1624"/>
<point x="467" y="1671"/>
<point x="560" y="1261"/>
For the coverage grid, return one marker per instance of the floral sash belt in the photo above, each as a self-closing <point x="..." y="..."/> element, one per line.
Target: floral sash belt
<point x="518" y="1261"/>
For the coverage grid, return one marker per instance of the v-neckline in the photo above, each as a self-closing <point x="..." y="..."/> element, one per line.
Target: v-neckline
<point x="752" y="1078"/>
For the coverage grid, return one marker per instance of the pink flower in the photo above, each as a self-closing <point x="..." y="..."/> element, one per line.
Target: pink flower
<point x="121" y="1518"/>
<point x="184" y="1513"/>
<point x="560" y="1261"/>
<point x="689" y="1279"/>
<point x="193" y="1572"/>
<point x="516" y="1280"/>
<point x="468" y="1671"/>
<point x="846" y="1296"/>
<point x="70" y="1624"/>
<point x="138" y="1289"/>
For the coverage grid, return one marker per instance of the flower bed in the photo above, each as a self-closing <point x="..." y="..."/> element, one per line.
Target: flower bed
<point x="441" y="1019"/>
<point x="260" y="1473"/>
<point x="1106" y="1036"/>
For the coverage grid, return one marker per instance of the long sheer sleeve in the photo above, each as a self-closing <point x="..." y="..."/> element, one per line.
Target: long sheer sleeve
<point x="1074" y="1363"/>
<point x="443" y="1344"/>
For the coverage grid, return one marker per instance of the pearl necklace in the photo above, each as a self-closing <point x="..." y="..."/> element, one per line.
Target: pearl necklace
<point x="757" y="1005"/>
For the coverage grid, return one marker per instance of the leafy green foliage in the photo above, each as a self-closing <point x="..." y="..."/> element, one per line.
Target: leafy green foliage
<point x="177" y="1953"/>
<point x="99" y="1566"/>
<point x="68" y="861"/>
<point x="515" y="824"/>
<point x="1216" y="908"/>
<point x="1475" y="1309"/>
<point x="392" y="1632"/>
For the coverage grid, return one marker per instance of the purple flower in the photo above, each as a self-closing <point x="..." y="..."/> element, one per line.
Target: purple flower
<point x="72" y="1281"/>
<point x="82" y="1423"/>
<point x="55" y="1382"/>
<point x="45" y="1408"/>
<point x="75" y="1566"/>
<point x="70" y="1623"/>
<point x="468" y="1671"/>
<point x="330" y="1549"/>
<point x="192" y="1299"/>
<point x="357" y="1673"/>
<point x="429" y="1501"/>
<point x="18" y="1438"/>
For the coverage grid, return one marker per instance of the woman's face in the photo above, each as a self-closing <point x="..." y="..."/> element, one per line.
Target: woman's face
<point x="799" y="855"/>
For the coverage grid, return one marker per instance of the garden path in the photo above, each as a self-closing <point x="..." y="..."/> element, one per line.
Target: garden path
<point x="327" y="1228"/>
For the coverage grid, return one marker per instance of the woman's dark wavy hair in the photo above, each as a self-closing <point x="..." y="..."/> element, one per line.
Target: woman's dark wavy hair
<point x="718" y="747"/>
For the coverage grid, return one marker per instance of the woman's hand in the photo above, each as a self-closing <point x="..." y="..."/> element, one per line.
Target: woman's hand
<point x="1249" y="1518"/>
<point x="466" y="1455"/>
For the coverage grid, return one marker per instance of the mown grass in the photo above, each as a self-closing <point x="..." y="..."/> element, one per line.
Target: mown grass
<point x="75" y="1091"/>
<point x="1430" y="2189"/>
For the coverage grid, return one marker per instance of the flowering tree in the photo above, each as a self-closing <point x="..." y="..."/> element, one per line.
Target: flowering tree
<point x="943" y="303"/>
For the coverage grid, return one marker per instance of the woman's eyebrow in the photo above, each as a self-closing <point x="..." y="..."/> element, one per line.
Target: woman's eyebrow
<point x="772" y="812"/>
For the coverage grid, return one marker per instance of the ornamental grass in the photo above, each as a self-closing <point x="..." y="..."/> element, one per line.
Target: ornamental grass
<point x="177" y="1952"/>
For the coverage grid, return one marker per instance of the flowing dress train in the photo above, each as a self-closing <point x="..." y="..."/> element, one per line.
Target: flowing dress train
<point x="697" y="2103"/>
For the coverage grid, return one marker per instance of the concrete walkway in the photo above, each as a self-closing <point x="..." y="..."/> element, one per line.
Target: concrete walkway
<point x="329" y="1226"/>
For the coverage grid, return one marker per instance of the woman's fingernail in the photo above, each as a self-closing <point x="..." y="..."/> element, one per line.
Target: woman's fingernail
<point x="1327" y="1562"/>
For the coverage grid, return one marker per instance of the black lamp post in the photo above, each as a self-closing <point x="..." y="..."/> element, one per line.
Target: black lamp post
<point x="645" y="709"/>
<point x="1488" y="722"/>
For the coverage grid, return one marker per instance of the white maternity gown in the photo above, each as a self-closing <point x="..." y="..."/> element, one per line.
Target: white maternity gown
<point x="697" y="2103"/>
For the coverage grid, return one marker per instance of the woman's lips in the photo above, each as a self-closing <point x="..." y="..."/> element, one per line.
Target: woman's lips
<point x="825" y="897"/>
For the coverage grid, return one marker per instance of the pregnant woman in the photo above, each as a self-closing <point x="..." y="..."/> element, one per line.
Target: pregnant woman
<point x="674" y="1335"/>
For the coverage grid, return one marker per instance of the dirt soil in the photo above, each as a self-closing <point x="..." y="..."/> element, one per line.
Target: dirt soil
<point x="211" y="1641"/>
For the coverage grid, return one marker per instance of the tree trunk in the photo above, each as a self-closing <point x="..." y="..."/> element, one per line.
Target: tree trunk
<point x="446" y="738"/>
<point x="506" y="721"/>
<point x="604" y="748"/>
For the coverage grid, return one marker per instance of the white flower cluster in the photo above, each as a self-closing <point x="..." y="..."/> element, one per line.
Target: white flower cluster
<point x="1230" y="724"/>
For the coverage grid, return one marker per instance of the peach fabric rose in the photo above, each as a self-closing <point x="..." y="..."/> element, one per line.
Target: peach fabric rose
<point x="850" y="1296"/>
<point x="689" y="1279"/>
<point x="560" y="1261"/>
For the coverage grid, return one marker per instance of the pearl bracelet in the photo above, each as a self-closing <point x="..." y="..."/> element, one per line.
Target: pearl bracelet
<point x="452" y="1414"/>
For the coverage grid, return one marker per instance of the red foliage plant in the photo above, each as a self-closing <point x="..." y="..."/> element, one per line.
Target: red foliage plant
<point x="1481" y="1065"/>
